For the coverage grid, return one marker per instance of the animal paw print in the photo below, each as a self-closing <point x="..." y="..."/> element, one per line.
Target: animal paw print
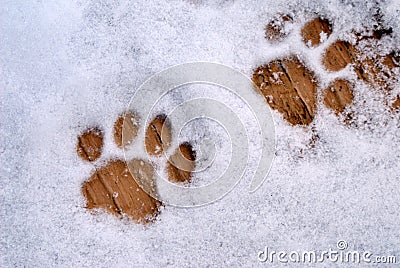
<point x="291" y="88"/>
<point x="113" y="187"/>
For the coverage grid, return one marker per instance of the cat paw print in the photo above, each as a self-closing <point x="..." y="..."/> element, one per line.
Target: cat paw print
<point x="113" y="187"/>
<point x="291" y="88"/>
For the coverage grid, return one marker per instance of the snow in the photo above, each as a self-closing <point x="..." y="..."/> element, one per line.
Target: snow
<point x="68" y="65"/>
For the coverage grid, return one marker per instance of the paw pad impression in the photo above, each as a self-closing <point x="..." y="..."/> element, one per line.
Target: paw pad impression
<point x="291" y="88"/>
<point x="114" y="187"/>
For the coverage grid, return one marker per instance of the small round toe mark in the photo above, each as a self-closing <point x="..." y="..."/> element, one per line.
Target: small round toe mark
<point x="158" y="135"/>
<point x="90" y="144"/>
<point x="392" y="60"/>
<point x="378" y="70"/>
<point x="338" y="55"/>
<point x="125" y="129"/>
<point x="338" y="95"/>
<point x="181" y="163"/>
<point x="276" y="28"/>
<point x="396" y="104"/>
<point x="316" y="31"/>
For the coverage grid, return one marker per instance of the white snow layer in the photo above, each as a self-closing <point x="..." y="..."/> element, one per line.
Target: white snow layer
<point x="67" y="65"/>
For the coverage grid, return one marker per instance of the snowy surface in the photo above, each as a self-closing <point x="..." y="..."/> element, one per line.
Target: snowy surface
<point x="67" y="65"/>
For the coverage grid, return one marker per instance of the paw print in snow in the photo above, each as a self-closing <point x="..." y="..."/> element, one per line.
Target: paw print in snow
<point x="292" y="89"/>
<point x="113" y="187"/>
